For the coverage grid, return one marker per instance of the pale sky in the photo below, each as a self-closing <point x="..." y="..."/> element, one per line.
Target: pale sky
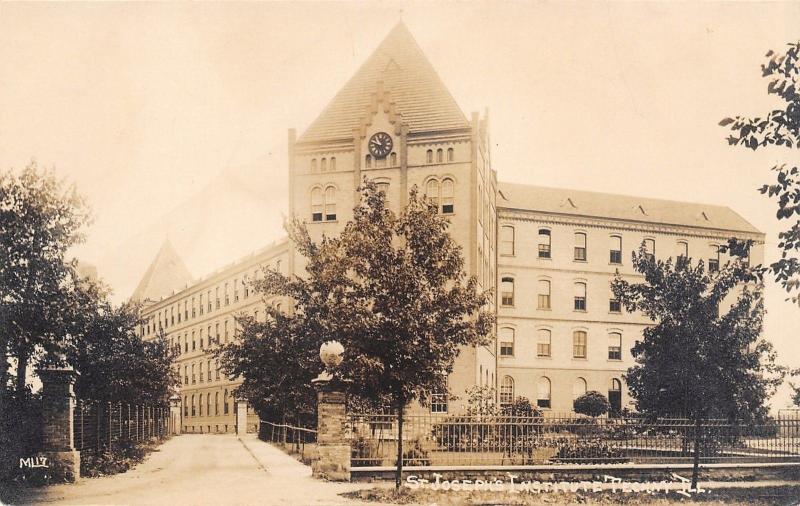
<point x="172" y="118"/>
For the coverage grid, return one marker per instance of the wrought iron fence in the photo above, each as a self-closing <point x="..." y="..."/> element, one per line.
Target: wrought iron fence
<point x="299" y="440"/>
<point x="99" y="425"/>
<point x="433" y="439"/>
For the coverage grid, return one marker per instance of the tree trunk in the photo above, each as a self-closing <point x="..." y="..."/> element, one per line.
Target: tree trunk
<point x="696" y="466"/>
<point x="3" y="372"/>
<point x="22" y="370"/>
<point x="398" y="476"/>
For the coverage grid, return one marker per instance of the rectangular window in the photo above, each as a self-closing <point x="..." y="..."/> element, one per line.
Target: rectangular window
<point x="614" y="306"/>
<point x="650" y="249"/>
<point x="507" y="240"/>
<point x="438" y="403"/>
<point x="543" y="343"/>
<point x="579" y="344"/>
<point x="580" y="296"/>
<point x="544" y="243"/>
<point x="615" y="346"/>
<point x="713" y="259"/>
<point x="615" y="253"/>
<point x="507" y="292"/>
<point x="201" y="304"/>
<point x="235" y="290"/>
<point x="543" y="301"/>
<point x="506" y="342"/>
<point x="580" y="247"/>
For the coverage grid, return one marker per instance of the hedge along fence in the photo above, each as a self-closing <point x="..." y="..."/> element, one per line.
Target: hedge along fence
<point x="433" y="440"/>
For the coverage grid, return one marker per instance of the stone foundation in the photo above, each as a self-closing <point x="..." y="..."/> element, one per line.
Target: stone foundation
<point x="332" y="463"/>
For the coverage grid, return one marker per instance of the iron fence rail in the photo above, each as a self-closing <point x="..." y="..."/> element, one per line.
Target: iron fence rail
<point x="433" y="439"/>
<point x="300" y="440"/>
<point x="99" y="425"/>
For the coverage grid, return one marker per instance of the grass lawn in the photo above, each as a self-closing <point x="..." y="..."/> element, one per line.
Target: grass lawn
<point x="757" y="496"/>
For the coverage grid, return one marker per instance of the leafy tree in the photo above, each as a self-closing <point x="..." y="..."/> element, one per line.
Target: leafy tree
<point x="780" y="127"/>
<point x="115" y="364"/>
<point x="592" y="403"/>
<point x="702" y="358"/>
<point x="276" y="361"/>
<point x="392" y="289"/>
<point x="40" y="219"/>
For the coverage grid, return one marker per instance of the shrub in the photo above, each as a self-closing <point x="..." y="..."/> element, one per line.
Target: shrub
<point x="592" y="403"/>
<point x="588" y="451"/>
<point x="123" y="455"/>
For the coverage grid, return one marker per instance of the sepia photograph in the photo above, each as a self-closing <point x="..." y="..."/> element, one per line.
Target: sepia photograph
<point x="429" y="253"/>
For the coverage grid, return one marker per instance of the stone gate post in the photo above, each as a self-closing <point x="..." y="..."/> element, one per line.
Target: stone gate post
<point x="241" y="417"/>
<point x="175" y="414"/>
<point x="58" y="403"/>
<point x="333" y="462"/>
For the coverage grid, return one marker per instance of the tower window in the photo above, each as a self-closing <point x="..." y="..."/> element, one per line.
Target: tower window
<point x="368" y="161"/>
<point x="429" y="156"/>
<point x="432" y="192"/>
<point x="439" y="156"/>
<point x="316" y="204"/>
<point x="330" y="203"/>
<point x="393" y="159"/>
<point x="323" y="165"/>
<point x="450" y="154"/>
<point x="333" y="163"/>
<point x="448" y="191"/>
<point x="313" y="165"/>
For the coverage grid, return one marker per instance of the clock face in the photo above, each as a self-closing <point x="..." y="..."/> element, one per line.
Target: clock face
<point x="380" y="145"/>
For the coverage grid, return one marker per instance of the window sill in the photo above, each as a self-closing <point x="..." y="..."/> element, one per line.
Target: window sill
<point x="544" y="309"/>
<point x="614" y="360"/>
<point x="544" y="357"/>
<point x="549" y="259"/>
<point x="579" y="311"/>
<point x="580" y="359"/>
<point x="575" y="260"/>
<point x="322" y="222"/>
<point x="615" y="312"/>
<point x="615" y="265"/>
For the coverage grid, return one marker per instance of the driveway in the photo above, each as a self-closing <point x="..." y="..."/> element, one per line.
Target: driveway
<point x="205" y="470"/>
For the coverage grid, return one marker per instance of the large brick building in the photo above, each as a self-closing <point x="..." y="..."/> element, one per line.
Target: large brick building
<point x="548" y="254"/>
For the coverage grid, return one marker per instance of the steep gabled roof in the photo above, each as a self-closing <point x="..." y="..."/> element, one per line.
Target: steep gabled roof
<point x="420" y="96"/>
<point x="620" y="207"/>
<point x="167" y="273"/>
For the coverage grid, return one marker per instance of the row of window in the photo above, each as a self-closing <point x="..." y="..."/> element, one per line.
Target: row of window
<point x="208" y="339"/>
<point x="544" y="392"/>
<point x="440" y="192"/>
<point x="544" y="343"/>
<point x="323" y="164"/>
<point x="223" y="295"/>
<point x="508" y="247"/>
<point x="193" y="405"/>
<point x="543" y="295"/>
<point x="203" y="376"/>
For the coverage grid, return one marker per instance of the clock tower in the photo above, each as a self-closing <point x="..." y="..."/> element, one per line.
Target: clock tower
<point x="395" y="123"/>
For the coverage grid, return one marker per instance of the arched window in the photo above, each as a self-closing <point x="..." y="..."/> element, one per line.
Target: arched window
<point x="194" y="413"/>
<point x="383" y="187"/>
<point x="368" y="161"/>
<point x="429" y="156"/>
<point x="507" y="391"/>
<point x="615" y="346"/>
<point x="200" y="367"/>
<point x="200" y="405"/>
<point x="507" y="240"/>
<point x="316" y="204"/>
<point x="615" y="396"/>
<point x="578" y="388"/>
<point x="683" y="249"/>
<point x="450" y="154"/>
<point x="543" y="298"/>
<point x="580" y="296"/>
<point x="185" y="406"/>
<point x="216" y="368"/>
<point x="333" y="163"/>
<point x="506" y="342"/>
<point x="507" y="291"/>
<point x="432" y="192"/>
<point x="313" y="165"/>
<point x="209" y="370"/>
<point x="323" y="165"/>
<point x="216" y="403"/>
<point x="579" y="344"/>
<point x="713" y="258"/>
<point x="208" y="404"/>
<point x="543" y="339"/>
<point x="650" y="248"/>
<point x="393" y="159"/>
<point x="225" y="402"/>
<point x="543" y="392"/>
<point x="330" y="203"/>
<point x="193" y="376"/>
<point x="439" y="156"/>
<point x="448" y="195"/>
<point x="544" y="243"/>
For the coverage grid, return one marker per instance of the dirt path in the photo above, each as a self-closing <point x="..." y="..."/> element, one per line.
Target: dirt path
<point x="204" y="470"/>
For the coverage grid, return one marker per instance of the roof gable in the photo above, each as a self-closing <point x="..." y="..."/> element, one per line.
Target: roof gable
<point x="166" y="274"/>
<point x="419" y="96"/>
